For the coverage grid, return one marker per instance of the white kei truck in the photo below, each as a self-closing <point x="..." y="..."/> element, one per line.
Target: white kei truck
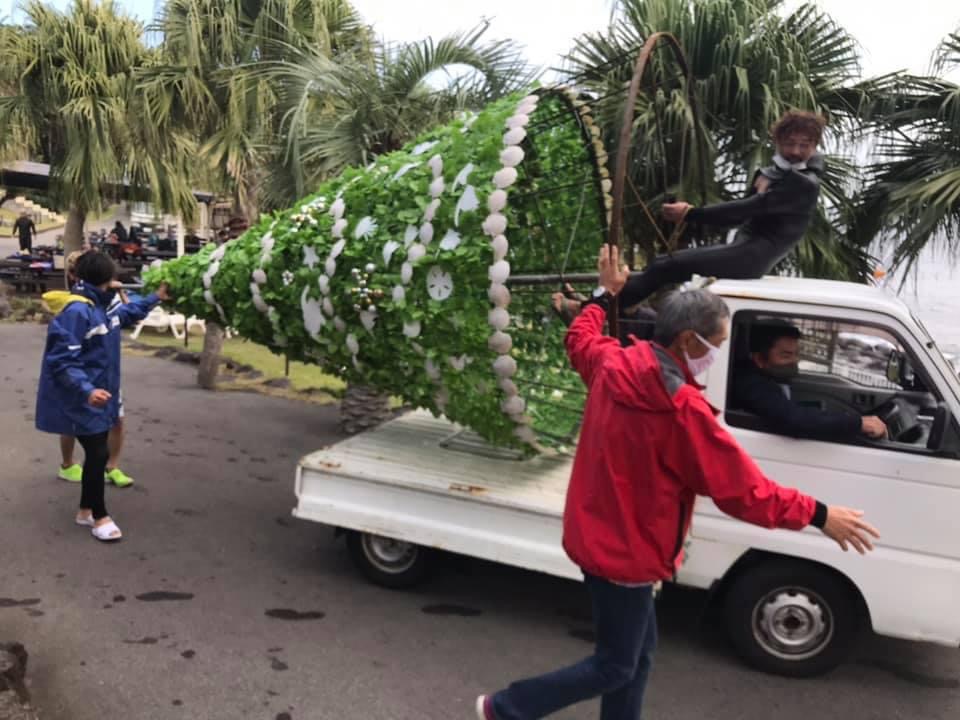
<point x="793" y="602"/>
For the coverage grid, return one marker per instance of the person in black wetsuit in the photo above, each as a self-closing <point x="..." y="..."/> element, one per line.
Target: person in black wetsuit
<point x="772" y="218"/>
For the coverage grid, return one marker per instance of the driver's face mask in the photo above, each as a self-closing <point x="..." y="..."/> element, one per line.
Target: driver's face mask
<point x="783" y="373"/>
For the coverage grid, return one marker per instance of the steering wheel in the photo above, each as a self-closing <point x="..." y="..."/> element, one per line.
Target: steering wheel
<point x="900" y="417"/>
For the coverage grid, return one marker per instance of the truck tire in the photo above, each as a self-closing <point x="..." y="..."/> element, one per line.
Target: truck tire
<point x="793" y="618"/>
<point x="390" y="563"/>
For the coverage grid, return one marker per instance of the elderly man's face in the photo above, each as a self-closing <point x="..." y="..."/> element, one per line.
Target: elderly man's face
<point x="796" y="148"/>
<point x="696" y="349"/>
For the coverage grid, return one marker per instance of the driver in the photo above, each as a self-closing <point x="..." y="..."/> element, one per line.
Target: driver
<point x="763" y="388"/>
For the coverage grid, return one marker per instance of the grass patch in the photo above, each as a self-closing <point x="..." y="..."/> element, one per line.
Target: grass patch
<point x="302" y="376"/>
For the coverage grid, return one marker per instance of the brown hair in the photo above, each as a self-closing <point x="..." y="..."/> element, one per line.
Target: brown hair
<point x="800" y="122"/>
<point x="70" y="264"/>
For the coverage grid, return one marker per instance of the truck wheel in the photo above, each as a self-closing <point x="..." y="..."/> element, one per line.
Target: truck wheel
<point x="388" y="562"/>
<point x="792" y="618"/>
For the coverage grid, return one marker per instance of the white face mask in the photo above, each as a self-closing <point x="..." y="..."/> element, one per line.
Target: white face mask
<point x="700" y="365"/>
<point x="781" y="162"/>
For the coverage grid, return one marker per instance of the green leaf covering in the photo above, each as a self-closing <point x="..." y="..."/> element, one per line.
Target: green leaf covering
<point x="320" y="284"/>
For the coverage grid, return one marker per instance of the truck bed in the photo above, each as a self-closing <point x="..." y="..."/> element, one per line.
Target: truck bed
<point x="427" y="481"/>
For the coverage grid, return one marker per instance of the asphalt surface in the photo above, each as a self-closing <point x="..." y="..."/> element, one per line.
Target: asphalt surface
<point x="209" y="522"/>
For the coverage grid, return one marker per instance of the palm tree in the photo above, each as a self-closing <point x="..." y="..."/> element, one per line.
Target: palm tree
<point x="913" y="200"/>
<point x="70" y="95"/>
<point x="700" y="137"/>
<point x="350" y="109"/>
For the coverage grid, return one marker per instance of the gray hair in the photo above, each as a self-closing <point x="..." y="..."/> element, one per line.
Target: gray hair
<point x="698" y="310"/>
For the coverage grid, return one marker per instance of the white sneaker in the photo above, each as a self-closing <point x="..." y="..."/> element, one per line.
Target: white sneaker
<point x="481" y="708"/>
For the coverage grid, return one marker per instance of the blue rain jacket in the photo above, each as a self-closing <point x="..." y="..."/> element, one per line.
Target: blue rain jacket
<point x="82" y="354"/>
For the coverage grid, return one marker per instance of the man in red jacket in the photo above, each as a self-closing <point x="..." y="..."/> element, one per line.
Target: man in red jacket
<point x="650" y="444"/>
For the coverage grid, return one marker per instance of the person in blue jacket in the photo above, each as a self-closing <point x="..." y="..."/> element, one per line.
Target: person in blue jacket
<point x="80" y="378"/>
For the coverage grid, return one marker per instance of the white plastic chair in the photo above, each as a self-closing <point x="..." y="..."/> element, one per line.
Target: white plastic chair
<point x="158" y="319"/>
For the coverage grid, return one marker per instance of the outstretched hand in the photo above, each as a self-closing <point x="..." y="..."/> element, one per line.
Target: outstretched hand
<point x="613" y="275"/>
<point x="163" y="292"/>
<point x="675" y="212"/>
<point x="846" y="527"/>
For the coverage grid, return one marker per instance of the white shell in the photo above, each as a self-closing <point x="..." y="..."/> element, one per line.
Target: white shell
<point x="337" y="248"/>
<point x="499" y="318"/>
<point x="508" y="386"/>
<point x="531" y="99"/>
<point x="412" y="329"/>
<point x="416" y="252"/>
<point x="338" y="227"/>
<point x="607" y="185"/>
<point x="513" y="405"/>
<point x="497" y="201"/>
<point x="526" y="108"/>
<point x="158" y="263"/>
<point x="450" y="241"/>
<point x="515" y="136"/>
<point x="437" y="187"/>
<point x="365" y="228"/>
<point x="218" y="254"/>
<point x="406" y="273"/>
<point x="313" y="319"/>
<point x="505" y="177"/>
<point x="260" y="304"/>
<point x="499" y="295"/>
<point x="505" y="366"/>
<point x="436" y="165"/>
<point x="441" y="398"/>
<point x="404" y="170"/>
<point x="259" y="276"/>
<point x="352" y="345"/>
<point x="410" y="234"/>
<point x="208" y="296"/>
<point x="207" y="281"/>
<point x="439" y="283"/>
<point x="495" y="224"/>
<point x="368" y="319"/>
<point x="310" y="258"/>
<point x="517" y="121"/>
<point x="399" y="294"/>
<point x="426" y="233"/>
<point x="389" y="249"/>
<point x="330" y="266"/>
<point x="500" y="342"/>
<point x="328" y="307"/>
<point x="500" y="271"/>
<point x="423" y="147"/>
<point x="512" y="156"/>
<point x="324" y="284"/>
<point x="500" y="247"/>
<point x="526" y="433"/>
<point x="433" y="372"/>
<point x="431" y="212"/>
<point x="462" y="177"/>
<point x="339" y="324"/>
<point x="337" y="208"/>
<point x="468" y="202"/>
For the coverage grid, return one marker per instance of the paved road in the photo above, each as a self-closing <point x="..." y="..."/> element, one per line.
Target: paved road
<point x="210" y="518"/>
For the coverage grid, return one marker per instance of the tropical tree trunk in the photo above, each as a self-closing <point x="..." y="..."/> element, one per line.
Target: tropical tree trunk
<point x="363" y="408"/>
<point x="73" y="231"/>
<point x="210" y="357"/>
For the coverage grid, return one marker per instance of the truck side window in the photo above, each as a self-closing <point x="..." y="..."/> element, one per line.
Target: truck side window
<point x="817" y="377"/>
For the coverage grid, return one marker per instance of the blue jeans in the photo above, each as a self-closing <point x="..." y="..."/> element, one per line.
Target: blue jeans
<point x="626" y="628"/>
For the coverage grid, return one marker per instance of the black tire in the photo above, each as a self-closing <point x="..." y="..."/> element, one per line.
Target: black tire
<point x="793" y="618"/>
<point x="390" y="563"/>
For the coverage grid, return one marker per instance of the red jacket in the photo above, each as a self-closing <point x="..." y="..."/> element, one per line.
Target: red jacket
<point x="651" y="443"/>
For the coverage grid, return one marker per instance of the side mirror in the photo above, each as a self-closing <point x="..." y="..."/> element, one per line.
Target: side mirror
<point x="894" y="367"/>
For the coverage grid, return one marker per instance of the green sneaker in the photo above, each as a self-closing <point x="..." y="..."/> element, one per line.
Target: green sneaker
<point x="74" y="473"/>
<point x="118" y="478"/>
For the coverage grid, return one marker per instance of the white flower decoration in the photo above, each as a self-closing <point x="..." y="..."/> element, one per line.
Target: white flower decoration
<point x="500" y="271"/>
<point x="416" y="252"/>
<point x="399" y="294"/>
<point x="424" y="147"/>
<point x="505" y="177"/>
<point x="500" y="247"/>
<point x="505" y="366"/>
<point x="330" y="266"/>
<point x="450" y="241"/>
<point x="462" y="177"/>
<point x="328" y="307"/>
<point x="437" y="187"/>
<point x="412" y="329"/>
<point x="365" y="228"/>
<point x="436" y="165"/>
<point x="431" y="212"/>
<point x="337" y="248"/>
<point x="352" y="345"/>
<point x="259" y="276"/>
<point x="468" y="202"/>
<point x="410" y="234"/>
<point x="313" y="319"/>
<point x="426" y="233"/>
<point x="368" y="319"/>
<point x="406" y="273"/>
<point x="338" y="227"/>
<point x="515" y="136"/>
<point x="404" y="170"/>
<point x="287" y="277"/>
<point x="310" y="258"/>
<point x="324" y="284"/>
<point x="512" y="156"/>
<point x="389" y="248"/>
<point x="336" y="210"/>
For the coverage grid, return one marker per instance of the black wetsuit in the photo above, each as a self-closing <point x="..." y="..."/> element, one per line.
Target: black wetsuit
<point x="771" y="224"/>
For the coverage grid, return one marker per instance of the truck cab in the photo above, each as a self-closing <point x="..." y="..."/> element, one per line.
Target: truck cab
<point x="793" y="603"/>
